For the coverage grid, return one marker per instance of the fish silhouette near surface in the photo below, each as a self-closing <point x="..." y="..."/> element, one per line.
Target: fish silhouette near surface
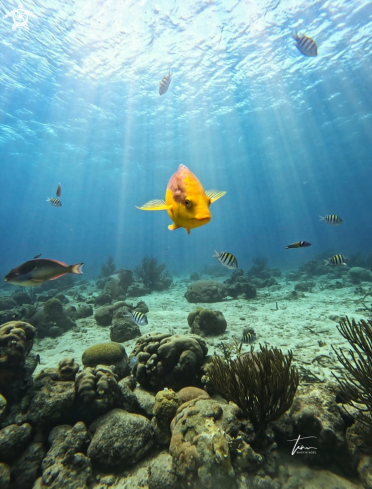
<point x="164" y="84"/>
<point x="35" y="272"/>
<point x="298" y="244"/>
<point x="186" y="201"/>
<point x="59" y="190"/>
<point x="305" y="45"/>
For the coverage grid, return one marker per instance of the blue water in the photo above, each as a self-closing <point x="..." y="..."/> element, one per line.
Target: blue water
<point x="288" y="137"/>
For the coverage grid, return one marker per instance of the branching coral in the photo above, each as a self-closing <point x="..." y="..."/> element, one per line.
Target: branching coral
<point x="151" y="273"/>
<point x="263" y="384"/>
<point x="108" y="268"/>
<point x="356" y="386"/>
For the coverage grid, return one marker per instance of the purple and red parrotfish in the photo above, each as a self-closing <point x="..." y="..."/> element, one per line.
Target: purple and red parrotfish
<point x="35" y="272"/>
<point x="186" y="201"/>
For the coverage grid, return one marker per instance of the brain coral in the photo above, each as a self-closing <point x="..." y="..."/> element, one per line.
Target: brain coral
<point x="107" y="354"/>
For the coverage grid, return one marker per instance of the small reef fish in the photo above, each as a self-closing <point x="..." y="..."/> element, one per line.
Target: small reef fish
<point x="133" y="362"/>
<point x="59" y="190"/>
<point x="298" y="244"/>
<point x="305" y="44"/>
<point x="164" y="84"/>
<point x="37" y="256"/>
<point x="137" y="317"/>
<point x="338" y="260"/>
<point x="35" y="272"/>
<point x="226" y="259"/>
<point x="248" y="338"/>
<point x="331" y="219"/>
<point x="55" y="202"/>
<point x="186" y="201"/>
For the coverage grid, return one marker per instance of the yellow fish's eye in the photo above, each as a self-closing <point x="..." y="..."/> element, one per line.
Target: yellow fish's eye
<point x="187" y="203"/>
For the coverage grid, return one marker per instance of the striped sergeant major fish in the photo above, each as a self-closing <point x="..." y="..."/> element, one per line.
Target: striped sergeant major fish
<point x="305" y="44"/>
<point x="248" y="338"/>
<point x="164" y="84"/>
<point x="298" y="244"/>
<point x="226" y="259"/>
<point x="331" y="219"/>
<point x="337" y="260"/>
<point x="55" y="202"/>
<point x="137" y="317"/>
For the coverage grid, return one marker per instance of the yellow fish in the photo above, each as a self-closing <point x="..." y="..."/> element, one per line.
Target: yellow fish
<point x="185" y="201"/>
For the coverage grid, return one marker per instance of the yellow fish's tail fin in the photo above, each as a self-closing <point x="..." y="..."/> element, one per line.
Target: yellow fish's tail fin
<point x="173" y="227"/>
<point x="155" y="205"/>
<point x="214" y="194"/>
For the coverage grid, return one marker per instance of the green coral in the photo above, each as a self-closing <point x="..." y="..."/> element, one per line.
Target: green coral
<point x="103" y="354"/>
<point x="263" y="384"/>
<point x="151" y="274"/>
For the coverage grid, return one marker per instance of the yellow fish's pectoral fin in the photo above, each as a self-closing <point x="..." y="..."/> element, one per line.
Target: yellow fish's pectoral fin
<point x="214" y="194"/>
<point x="155" y="205"/>
<point x="173" y="227"/>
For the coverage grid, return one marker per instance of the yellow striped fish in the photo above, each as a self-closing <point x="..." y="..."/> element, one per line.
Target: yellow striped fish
<point x="337" y="260"/>
<point x="305" y="45"/>
<point x="248" y="338"/>
<point x="226" y="259"/>
<point x="164" y="84"/>
<point x="55" y="202"/>
<point x="331" y="219"/>
<point x="137" y="317"/>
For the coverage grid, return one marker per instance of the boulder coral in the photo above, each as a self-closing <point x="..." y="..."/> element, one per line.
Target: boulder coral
<point x="120" y="439"/>
<point x="206" y="291"/>
<point x="206" y="322"/>
<point x="169" y="361"/>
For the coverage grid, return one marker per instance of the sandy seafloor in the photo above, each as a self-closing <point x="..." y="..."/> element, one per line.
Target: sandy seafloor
<point x="298" y="325"/>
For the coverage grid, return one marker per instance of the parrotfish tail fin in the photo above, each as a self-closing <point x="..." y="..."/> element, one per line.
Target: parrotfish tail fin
<point x="77" y="269"/>
<point x="326" y="262"/>
<point x="216" y="254"/>
<point x="155" y="205"/>
<point x="173" y="227"/>
<point x="215" y="194"/>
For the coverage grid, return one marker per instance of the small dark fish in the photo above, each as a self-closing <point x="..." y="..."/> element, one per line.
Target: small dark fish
<point x="55" y="202"/>
<point x="298" y="244"/>
<point x="38" y="359"/>
<point x="331" y="219"/>
<point x="164" y="84"/>
<point x="59" y="190"/>
<point x="305" y="45"/>
<point x="248" y="338"/>
<point x="36" y="272"/>
<point x="37" y="256"/>
<point x="337" y="260"/>
<point x="137" y="317"/>
<point x="226" y="259"/>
